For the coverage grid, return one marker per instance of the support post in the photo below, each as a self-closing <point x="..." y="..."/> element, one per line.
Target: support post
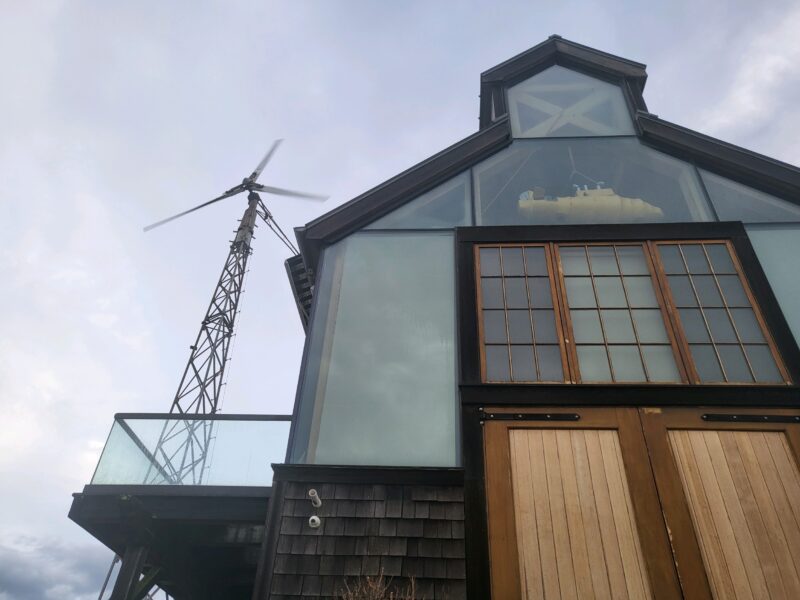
<point x="129" y="571"/>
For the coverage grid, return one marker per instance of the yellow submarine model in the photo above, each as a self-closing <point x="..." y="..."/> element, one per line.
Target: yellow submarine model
<point x="587" y="205"/>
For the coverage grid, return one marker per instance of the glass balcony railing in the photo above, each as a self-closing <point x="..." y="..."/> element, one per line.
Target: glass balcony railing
<point x="175" y="449"/>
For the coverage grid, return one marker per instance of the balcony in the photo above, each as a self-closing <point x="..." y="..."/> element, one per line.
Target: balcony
<point x="191" y="492"/>
<point x="179" y="449"/>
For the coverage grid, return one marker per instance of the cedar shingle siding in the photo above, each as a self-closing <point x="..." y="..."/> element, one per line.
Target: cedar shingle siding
<point x="403" y="531"/>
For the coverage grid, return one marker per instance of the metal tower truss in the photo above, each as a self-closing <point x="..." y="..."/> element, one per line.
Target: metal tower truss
<point x="182" y="451"/>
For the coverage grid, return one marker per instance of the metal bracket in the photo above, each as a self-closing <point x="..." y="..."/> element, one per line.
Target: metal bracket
<point x="529" y="416"/>
<point x="722" y="418"/>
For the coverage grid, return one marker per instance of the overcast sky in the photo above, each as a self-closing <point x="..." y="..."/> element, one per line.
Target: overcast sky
<point x="114" y="115"/>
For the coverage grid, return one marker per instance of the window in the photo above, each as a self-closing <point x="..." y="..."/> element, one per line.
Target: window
<point x="663" y="312"/>
<point x="586" y="181"/>
<point x="559" y="102"/>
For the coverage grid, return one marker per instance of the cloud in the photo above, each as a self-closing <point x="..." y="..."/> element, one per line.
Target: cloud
<point x="44" y="569"/>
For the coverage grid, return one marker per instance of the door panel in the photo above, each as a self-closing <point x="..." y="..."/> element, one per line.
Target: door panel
<point x="573" y="510"/>
<point x="576" y="530"/>
<point x="738" y="489"/>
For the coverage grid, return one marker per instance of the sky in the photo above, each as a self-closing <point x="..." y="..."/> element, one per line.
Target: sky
<point x="114" y="115"/>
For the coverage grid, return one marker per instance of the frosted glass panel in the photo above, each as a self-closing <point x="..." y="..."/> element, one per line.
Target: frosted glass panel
<point x="586" y="181"/>
<point x="385" y="393"/>
<point x="777" y="246"/>
<point x="736" y="202"/>
<point x="443" y="207"/>
<point x="559" y="102"/>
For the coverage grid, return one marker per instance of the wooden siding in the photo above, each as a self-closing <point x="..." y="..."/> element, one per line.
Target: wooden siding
<point x="743" y="491"/>
<point x="575" y="526"/>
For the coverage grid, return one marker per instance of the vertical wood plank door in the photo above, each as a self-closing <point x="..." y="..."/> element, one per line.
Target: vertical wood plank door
<point x="571" y="507"/>
<point x="741" y="489"/>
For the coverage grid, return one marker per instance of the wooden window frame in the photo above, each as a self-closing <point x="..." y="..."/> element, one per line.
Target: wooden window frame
<point x="666" y="305"/>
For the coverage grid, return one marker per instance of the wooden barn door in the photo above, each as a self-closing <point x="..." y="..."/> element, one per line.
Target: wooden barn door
<point x="573" y="508"/>
<point x="730" y="487"/>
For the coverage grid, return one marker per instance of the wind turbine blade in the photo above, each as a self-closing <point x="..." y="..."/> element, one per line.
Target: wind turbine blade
<point x="265" y="160"/>
<point x="228" y="194"/>
<point x="282" y="192"/>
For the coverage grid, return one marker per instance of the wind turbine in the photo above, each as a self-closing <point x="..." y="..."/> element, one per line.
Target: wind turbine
<point x="180" y="455"/>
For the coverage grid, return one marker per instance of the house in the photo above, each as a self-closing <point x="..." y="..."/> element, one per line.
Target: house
<point x="557" y="359"/>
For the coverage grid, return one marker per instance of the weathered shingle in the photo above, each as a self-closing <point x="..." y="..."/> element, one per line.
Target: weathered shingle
<point x="403" y="532"/>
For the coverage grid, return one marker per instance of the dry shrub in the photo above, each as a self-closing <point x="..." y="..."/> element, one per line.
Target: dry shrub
<point x="378" y="588"/>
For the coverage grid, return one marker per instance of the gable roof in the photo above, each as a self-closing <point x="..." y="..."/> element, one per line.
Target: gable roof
<point x="739" y="164"/>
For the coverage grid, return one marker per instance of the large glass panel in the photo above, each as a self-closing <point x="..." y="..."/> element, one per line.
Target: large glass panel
<point x="776" y="247"/>
<point x="736" y="202"/>
<point x="386" y="391"/>
<point x="559" y="102"/>
<point x="579" y="181"/>
<point x="444" y="207"/>
<point x="152" y="451"/>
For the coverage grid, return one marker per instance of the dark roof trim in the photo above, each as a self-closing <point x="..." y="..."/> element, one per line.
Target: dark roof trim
<point x="556" y="50"/>
<point x="420" y="178"/>
<point x="737" y="163"/>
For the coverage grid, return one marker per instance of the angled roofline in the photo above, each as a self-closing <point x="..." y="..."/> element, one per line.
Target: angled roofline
<point x="398" y="190"/>
<point x="737" y="163"/>
<point x="555" y="50"/>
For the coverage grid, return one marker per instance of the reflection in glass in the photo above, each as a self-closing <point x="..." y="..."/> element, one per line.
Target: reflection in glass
<point x="385" y="392"/>
<point x="640" y="292"/>
<point x="707" y="291"/>
<point x="519" y="327"/>
<point x="492" y="292"/>
<point x="497" y="368"/>
<point x="694" y="327"/>
<point x="549" y="363"/>
<point x="444" y="207"/>
<point x="579" y="292"/>
<point x="593" y="181"/>
<point x="545" y="326"/>
<point x="671" y="259"/>
<point x="541" y="295"/>
<point x="593" y="363"/>
<point x="494" y="327"/>
<point x="522" y="363"/>
<point x="681" y="289"/>
<point x="736" y="202"/>
<point x="573" y="260"/>
<point x="733" y="290"/>
<point x="618" y="327"/>
<point x="660" y="363"/>
<point x="609" y="292"/>
<point x="763" y="364"/>
<point x="747" y="326"/>
<point x="490" y="262"/>
<point x="559" y="102"/>
<point x="603" y="260"/>
<point x="720" y="258"/>
<point x="734" y="363"/>
<point x="586" y="327"/>
<point x="720" y="326"/>
<point x="650" y="326"/>
<point x="516" y="294"/>
<point x="626" y="363"/>
<point x="536" y="261"/>
<point x="512" y="262"/>
<point x="631" y="260"/>
<point x="695" y="258"/>
<point x="706" y="363"/>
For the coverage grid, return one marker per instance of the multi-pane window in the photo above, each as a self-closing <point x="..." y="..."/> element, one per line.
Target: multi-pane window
<point x="617" y="324"/>
<point x="663" y="312"/>
<point x="724" y="333"/>
<point x="520" y="330"/>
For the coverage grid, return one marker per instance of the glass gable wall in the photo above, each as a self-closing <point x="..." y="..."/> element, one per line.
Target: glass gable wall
<point x="559" y="102"/>
<point x="555" y="182"/>
<point x="444" y="207"/>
